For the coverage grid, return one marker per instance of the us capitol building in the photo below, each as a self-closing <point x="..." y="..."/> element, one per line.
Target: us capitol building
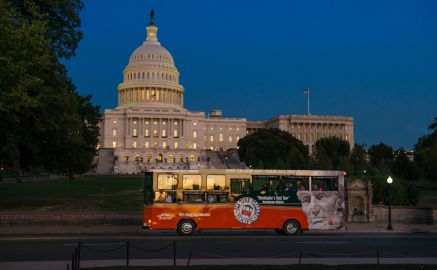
<point x="150" y="128"/>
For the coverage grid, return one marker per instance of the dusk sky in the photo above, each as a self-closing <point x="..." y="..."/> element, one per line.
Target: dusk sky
<point x="373" y="60"/>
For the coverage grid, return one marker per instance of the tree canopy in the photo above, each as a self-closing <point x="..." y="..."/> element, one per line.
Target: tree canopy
<point x="46" y="125"/>
<point x="273" y="149"/>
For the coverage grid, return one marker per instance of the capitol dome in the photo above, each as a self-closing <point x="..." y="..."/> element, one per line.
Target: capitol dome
<point x="151" y="78"/>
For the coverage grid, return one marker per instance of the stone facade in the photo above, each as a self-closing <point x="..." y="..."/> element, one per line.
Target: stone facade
<point x="309" y="128"/>
<point x="150" y="128"/>
<point x="359" y="201"/>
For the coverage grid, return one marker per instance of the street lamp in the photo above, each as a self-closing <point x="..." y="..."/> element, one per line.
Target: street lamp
<point x="389" y="182"/>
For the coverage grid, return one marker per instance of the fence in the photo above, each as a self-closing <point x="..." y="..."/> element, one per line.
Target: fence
<point x="170" y="249"/>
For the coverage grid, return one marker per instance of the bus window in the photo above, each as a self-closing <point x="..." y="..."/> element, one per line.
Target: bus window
<point x="294" y="183"/>
<point x="260" y="183"/>
<point x="167" y="181"/>
<point x="324" y="184"/>
<point x="215" y="197"/>
<point x="191" y="181"/>
<point x="266" y="183"/>
<point x="240" y="186"/>
<point x="165" y="197"/>
<point x="215" y="182"/>
<point x="194" y="197"/>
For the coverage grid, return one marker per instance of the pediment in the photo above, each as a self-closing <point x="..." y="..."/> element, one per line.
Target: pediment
<point x="356" y="185"/>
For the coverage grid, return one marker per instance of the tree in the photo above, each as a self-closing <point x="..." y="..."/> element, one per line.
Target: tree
<point x="358" y="161"/>
<point x="402" y="167"/>
<point x="273" y="149"/>
<point x="381" y="156"/>
<point x="48" y="127"/>
<point x="63" y="22"/>
<point x="425" y="153"/>
<point x="331" y="153"/>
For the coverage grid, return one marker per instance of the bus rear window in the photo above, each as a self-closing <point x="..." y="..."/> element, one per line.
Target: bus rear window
<point x="324" y="184"/>
<point x="215" y="182"/>
<point x="191" y="181"/>
<point x="167" y="181"/>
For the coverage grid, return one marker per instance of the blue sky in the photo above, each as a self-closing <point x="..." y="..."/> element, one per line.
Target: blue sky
<point x="373" y="60"/>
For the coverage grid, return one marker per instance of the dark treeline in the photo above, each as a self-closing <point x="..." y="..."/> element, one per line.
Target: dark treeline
<point x="275" y="149"/>
<point x="46" y="126"/>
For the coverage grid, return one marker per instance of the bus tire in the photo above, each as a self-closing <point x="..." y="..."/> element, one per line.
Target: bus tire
<point x="186" y="227"/>
<point x="291" y="227"/>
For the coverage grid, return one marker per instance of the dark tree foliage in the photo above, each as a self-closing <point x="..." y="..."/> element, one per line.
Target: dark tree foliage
<point x="331" y="154"/>
<point x="381" y="156"/>
<point x="425" y="153"/>
<point x="403" y="167"/>
<point x="46" y="126"/>
<point x="63" y="22"/>
<point x="273" y="149"/>
<point x="357" y="160"/>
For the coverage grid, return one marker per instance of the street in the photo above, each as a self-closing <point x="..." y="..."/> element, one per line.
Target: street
<point x="159" y="245"/>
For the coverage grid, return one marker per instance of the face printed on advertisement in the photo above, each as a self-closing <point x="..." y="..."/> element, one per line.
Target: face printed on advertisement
<point x="322" y="208"/>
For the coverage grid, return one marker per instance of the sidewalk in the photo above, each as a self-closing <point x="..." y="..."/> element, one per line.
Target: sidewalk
<point x="9" y="230"/>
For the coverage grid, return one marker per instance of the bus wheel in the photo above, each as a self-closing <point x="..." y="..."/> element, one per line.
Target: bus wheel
<point x="291" y="227"/>
<point x="186" y="227"/>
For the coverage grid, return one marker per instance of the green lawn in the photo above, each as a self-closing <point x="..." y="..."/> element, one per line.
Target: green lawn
<point x="98" y="193"/>
<point x="281" y="267"/>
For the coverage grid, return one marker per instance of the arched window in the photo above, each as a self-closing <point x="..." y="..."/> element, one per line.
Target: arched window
<point x="149" y="158"/>
<point x="192" y="158"/>
<point x="135" y="76"/>
<point x="143" y="75"/>
<point x="148" y="75"/>
<point x="170" y="158"/>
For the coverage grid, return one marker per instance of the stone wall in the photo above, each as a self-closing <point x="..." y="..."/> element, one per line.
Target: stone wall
<point x="405" y="214"/>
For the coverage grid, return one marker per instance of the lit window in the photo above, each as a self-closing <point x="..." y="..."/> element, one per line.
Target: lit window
<point x="114" y="144"/>
<point x="114" y="122"/>
<point x="134" y="132"/>
<point x="220" y="137"/>
<point x="230" y="138"/>
<point x="164" y="133"/>
<point x="212" y="128"/>
<point x="134" y="144"/>
<point x="147" y="122"/>
<point x="194" y="124"/>
<point x="175" y="123"/>
<point x="194" y="145"/>
<point x="221" y="128"/>
<point x="146" y="144"/>
<point x="164" y="145"/>
<point x="114" y="132"/>
<point x="175" y="133"/>
<point x="167" y="181"/>
<point x="135" y="122"/>
<point x="238" y="138"/>
<point x="155" y="133"/>
<point x="192" y="158"/>
<point x="155" y="123"/>
<point x="211" y="138"/>
<point x="191" y="181"/>
<point x="163" y="123"/>
<point x="155" y="145"/>
<point x="215" y="182"/>
<point x="146" y="133"/>
<point x="176" y="145"/>
<point x="238" y="129"/>
<point x="181" y="157"/>
<point x="170" y="158"/>
<point x="194" y="134"/>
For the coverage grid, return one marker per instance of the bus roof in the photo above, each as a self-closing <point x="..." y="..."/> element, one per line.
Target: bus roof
<point x="258" y="172"/>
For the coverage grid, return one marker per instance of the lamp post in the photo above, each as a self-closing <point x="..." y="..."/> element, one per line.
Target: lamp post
<point x="389" y="182"/>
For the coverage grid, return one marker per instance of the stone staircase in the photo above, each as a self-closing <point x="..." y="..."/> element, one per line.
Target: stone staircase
<point x="225" y="159"/>
<point x="105" y="161"/>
